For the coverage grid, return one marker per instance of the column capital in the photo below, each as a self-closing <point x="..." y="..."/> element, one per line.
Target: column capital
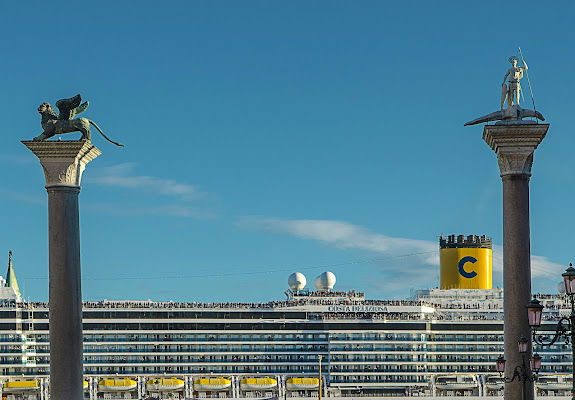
<point x="63" y="161"/>
<point x="515" y="145"/>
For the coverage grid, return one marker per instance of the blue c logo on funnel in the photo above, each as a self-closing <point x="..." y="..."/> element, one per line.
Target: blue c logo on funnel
<point x="462" y="270"/>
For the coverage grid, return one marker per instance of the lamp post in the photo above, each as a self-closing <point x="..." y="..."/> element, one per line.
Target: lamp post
<point x="565" y="327"/>
<point x="522" y="372"/>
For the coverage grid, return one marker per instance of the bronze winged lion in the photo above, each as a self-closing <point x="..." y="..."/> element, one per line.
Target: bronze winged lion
<point x="65" y="122"/>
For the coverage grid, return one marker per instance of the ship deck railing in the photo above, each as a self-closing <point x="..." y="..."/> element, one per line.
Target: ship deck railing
<point x="327" y="300"/>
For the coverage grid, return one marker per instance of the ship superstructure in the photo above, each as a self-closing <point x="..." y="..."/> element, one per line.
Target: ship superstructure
<point x="441" y="342"/>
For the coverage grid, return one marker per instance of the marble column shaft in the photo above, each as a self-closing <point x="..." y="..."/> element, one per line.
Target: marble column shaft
<point x="66" y="336"/>
<point x="63" y="164"/>
<point x="514" y="146"/>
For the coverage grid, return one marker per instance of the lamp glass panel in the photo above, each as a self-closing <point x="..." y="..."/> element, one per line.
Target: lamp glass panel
<point x="569" y="279"/>
<point x="534" y="315"/>
<point x="522" y="345"/>
<point x="571" y="285"/>
<point x="535" y="363"/>
<point x="500" y="364"/>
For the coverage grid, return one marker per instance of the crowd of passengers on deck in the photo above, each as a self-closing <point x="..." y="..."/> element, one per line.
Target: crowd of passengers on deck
<point x="316" y="298"/>
<point x="227" y="305"/>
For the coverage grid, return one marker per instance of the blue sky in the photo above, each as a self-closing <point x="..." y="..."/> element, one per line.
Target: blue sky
<point x="267" y="137"/>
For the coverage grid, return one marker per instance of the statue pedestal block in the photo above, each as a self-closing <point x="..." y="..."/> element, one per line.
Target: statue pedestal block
<point x="514" y="146"/>
<point x="63" y="163"/>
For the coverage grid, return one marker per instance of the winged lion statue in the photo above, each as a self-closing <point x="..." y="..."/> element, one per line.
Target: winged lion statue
<point x="65" y="122"/>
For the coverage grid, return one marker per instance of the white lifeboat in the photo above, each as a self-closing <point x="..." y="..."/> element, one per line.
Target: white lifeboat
<point x="212" y="384"/>
<point x="302" y="383"/>
<point x="456" y="382"/>
<point x="494" y="382"/>
<point x="258" y="383"/>
<point x="21" y="386"/>
<point x="117" y="385"/>
<point x="164" y="385"/>
<point x="555" y="382"/>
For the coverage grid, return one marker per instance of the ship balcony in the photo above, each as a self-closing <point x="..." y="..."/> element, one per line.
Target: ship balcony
<point x="201" y="341"/>
<point x="154" y="369"/>
<point x="175" y="360"/>
<point x="12" y="351"/>
<point x="376" y="370"/>
<point x="391" y="348"/>
<point x="265" y="337"/>
<point x="382" y="338"/>
<point x="379" y="379"/>
<point x="225" y="349"/>
<point x="11" y="340"/>
<point x="199" y="358"/>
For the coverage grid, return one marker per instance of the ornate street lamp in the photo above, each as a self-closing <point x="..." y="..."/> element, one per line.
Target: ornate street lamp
<point x="535" y="363"/>
<point x="522" y="343"/>
<point x="500" y="364"/>
<point x="534" y="313"/>
<point x="523" y="373"/>
<point x="565" y="327"/>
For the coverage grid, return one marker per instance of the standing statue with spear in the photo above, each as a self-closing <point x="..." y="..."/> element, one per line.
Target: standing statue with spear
<point x="515" y="73"/>
<point x="514" y="113"/>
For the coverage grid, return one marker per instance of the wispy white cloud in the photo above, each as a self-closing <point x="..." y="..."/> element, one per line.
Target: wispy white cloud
<point x="121" y="176"/>
<point x="185" y="200"/>
<point x="344" y="236"/>
<point x="165" y="210"/>
<point x="395" y="258"/>
<point x="14" y="195"/>
<point x="545" y="274"/>
<point x="419" y="258"/>
<point x="542" y="266"/>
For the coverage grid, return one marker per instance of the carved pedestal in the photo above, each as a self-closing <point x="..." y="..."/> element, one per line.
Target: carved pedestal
<point x="514" y="146"/>
<point x="63" y="164"/>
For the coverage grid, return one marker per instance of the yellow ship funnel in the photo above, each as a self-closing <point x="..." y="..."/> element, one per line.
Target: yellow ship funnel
<point x="465" y="262"/>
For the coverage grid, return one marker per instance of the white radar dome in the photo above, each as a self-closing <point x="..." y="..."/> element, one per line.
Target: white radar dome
<point x="325" y="281"/>
<point x="297" y="281"/>
<point x="561" y="287"/>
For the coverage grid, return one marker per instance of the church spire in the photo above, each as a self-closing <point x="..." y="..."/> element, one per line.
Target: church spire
<point x="11" y="276"/>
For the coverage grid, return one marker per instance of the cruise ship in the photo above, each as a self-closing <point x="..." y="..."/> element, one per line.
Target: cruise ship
<point x="320" y="342"/>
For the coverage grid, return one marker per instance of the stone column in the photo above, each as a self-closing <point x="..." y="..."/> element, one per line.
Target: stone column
<point x="514" y="146"/>
<point x="63" y="163"/>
